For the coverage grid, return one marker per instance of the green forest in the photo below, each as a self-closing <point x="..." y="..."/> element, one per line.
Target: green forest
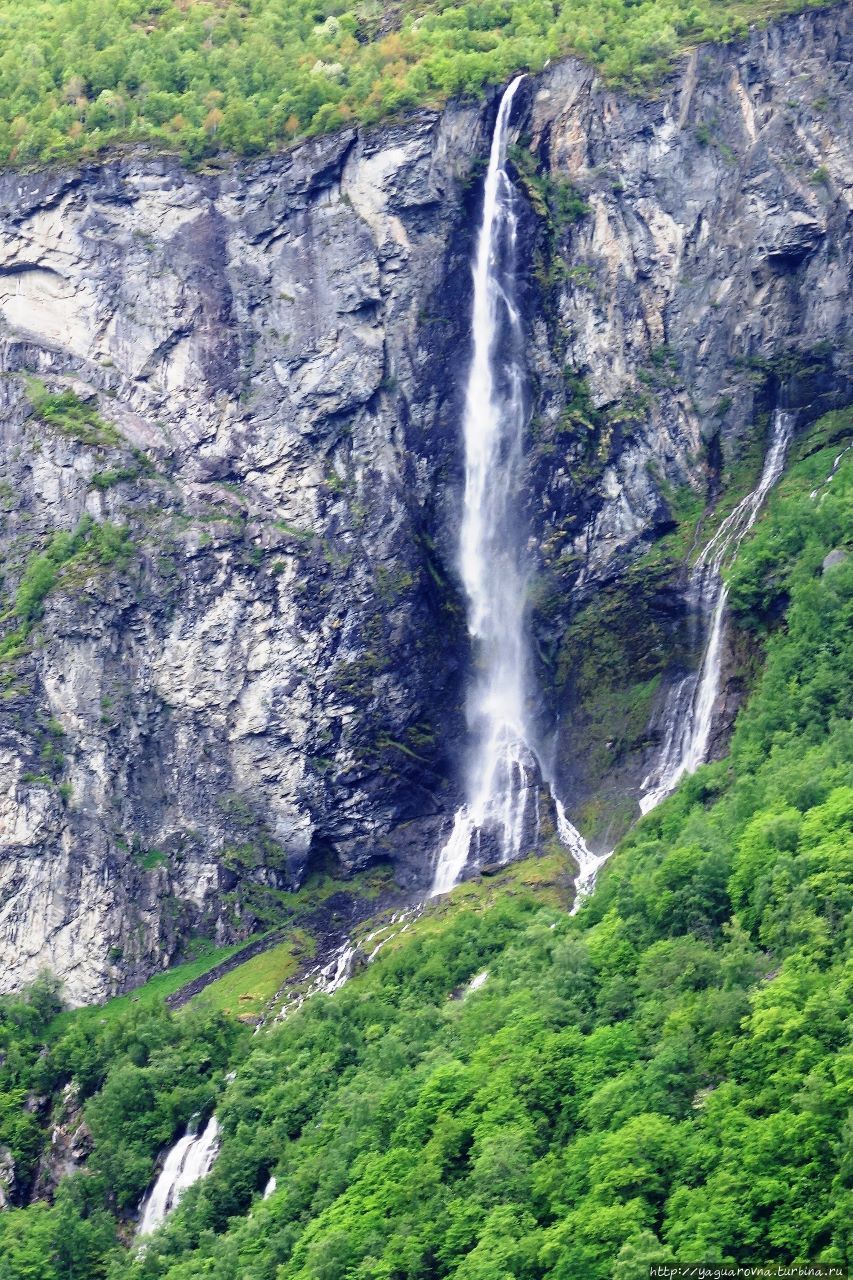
<point x="203" y="76"/>
<point x="665" y="1075"/>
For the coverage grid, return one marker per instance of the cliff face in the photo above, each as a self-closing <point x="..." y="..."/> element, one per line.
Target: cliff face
<point x="239" y="391"/>
<point x="706" y="287"/>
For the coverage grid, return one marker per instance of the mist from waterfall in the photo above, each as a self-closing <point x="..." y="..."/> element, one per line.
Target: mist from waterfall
<point x="689" y="709"/>
<point x="500" y="820"/>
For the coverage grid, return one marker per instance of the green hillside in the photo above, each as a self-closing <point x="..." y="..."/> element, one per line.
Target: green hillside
<point x="202" y="76"/>
<point x="664" y="1076"/>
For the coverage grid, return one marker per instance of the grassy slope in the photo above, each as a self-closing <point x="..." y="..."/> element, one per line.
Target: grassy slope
<point x="200" y="76"/>
<point x="154" y="991"/>
<point x="248" y="987"/>
<point x="247" y="990"/>
<point x="664" y="1075"/>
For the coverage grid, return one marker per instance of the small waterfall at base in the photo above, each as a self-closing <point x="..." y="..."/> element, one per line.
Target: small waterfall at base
<point x="190" y="1159"/>
<point x="589" y="863"/>
<point x="500" y="821"/>
<point x="688" y="713"/>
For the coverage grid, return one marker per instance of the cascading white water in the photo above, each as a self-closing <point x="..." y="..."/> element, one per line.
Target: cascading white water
<point x="589" y="863"/>
<point x="330" y="975"/>
<point x="190" y="1159"/>
<point x="501" y="817"/>
<point x="490" y="560"/>
<point x="321" y="978"/>
<point x="688" y="713"/>
<point x="839" y="457"/>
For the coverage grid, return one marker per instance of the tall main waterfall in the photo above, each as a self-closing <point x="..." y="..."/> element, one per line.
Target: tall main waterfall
<point x="500" y="819"/>
<point x="688" y="712"/>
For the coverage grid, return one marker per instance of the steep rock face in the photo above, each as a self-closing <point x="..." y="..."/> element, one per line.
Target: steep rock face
<point x="238" y="392"/>
<point x="267" y="673"/>
<point x="706" y="286"/>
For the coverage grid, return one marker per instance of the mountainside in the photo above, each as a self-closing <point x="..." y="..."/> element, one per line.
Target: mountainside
<point x="426" y="802"/>
<point x="235" y="649"/>
<point x="508" y="1091"/>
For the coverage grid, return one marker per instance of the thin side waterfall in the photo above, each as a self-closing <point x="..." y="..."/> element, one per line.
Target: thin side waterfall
<point x="836" y="464"/>
<point x="326" y="978"/>
<point x="688" y="712"/>
<point x="500" y="820"/>
<point x="190" y="1159"/>
<point x="589" y="863"/>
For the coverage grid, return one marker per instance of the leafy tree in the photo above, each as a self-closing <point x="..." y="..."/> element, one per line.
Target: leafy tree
<point x="78" y="76"/>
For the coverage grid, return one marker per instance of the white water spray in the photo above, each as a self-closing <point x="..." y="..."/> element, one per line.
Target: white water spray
<point x="500" y="821"/>
<point x="190" y="1159"/>
<point x="688" y="713"/>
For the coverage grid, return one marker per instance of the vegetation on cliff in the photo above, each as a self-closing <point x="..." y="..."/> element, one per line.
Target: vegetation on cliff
<point x="200" y="76"/>
<point x="663" y="1076"/>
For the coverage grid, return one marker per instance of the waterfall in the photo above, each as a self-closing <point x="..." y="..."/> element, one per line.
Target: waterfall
<point x="836" y="464"/>
<point x="688" y="713"/>
<point x="320" y="979"/>
<point x="189" y="1160"/>
<point x="589" y="864"/>
<point x="500" y="819"/>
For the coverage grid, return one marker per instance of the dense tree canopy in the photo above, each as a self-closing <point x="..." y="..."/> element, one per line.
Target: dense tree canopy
<point x="201" y="76"/>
